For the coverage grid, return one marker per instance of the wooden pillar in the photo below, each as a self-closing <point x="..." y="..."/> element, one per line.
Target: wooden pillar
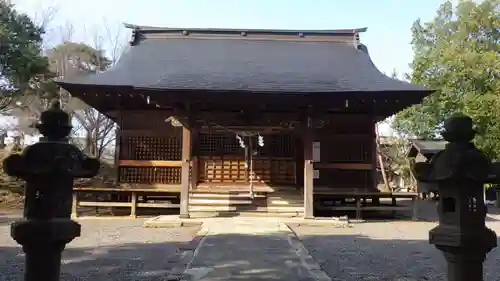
<point x="358" y="207"/>
<point x="74" y="206"/>
<point x="195" y="169"/>
<point x="195" y="132"/>
<point x="133" y="204"/>
<point x="185" y="174"/>
<point x="308" y="170"/>
<point x="374" y="155"/>
<point x="118" y="137"/>
<point x="414" y="208"/>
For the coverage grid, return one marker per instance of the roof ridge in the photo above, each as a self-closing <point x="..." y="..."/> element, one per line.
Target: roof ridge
<point x="144" y="32"/>
<point x="153" y="29"/>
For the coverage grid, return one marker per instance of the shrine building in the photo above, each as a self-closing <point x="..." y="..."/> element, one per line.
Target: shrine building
<point x="226" y="120"/>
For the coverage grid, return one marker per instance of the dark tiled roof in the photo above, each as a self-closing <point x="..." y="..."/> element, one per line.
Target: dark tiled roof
<point x="223" y="64"/>
<point x="427" y="147"/>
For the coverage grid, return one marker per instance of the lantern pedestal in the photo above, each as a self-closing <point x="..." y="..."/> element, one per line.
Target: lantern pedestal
<point x="464" y="252"/>
<point x="43" y="242"/>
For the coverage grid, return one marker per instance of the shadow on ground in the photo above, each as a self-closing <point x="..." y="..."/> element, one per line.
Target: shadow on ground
<point x="124" y="262"/>
<point x="354" y="257"/>
<point x="342" y="257"/>
<point x="393" y="251"/>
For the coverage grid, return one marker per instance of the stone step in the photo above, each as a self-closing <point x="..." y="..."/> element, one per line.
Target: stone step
<point x="222" y="201"/>
<point x="244" y="214"/>
<point x="244" y="209"/>
<point x="212" y="208"/>
<point x="285" y="209"/>
<point x="223" y="195"/>
<point x="284" y="203"/>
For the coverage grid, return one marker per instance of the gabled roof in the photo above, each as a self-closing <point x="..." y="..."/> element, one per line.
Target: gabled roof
<point x="426" y="147"/>
<point x="292" y="61"/>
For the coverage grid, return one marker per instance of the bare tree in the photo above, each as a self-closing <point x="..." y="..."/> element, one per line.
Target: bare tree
<point x="95" y="132"/>
<point x="93" y="129"/>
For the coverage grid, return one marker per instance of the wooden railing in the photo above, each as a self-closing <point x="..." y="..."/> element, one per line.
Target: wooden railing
<point x="149" y="163"/>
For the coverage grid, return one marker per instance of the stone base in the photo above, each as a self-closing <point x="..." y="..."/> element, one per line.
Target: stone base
<point x="45" y="231"/>
<point x="171" y="221"/>
<point x="175" y="221"/>
<point x="482" y="240"/>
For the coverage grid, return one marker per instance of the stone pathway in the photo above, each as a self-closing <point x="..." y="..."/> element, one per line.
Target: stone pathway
<point x="251" y="249"/>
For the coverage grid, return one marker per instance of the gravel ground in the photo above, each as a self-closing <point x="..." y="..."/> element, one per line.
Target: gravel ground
<point x="121" y="249"/>
<point x="109" y="249"/>
<point x="389" y="251"/>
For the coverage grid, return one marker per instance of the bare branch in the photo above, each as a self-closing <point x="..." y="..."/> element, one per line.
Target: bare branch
<point x="116" y="41"/>
<point x="45" y="15"/>
<point x="75" y="59"/>
<point x="66" y="32"/>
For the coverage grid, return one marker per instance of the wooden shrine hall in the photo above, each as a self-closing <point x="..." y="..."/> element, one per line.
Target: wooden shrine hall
<point x="229" y="120"/>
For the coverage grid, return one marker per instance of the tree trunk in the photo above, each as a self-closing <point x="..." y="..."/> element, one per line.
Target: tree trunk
<point x="2" y="141"/>
<point x="88" y="143"/>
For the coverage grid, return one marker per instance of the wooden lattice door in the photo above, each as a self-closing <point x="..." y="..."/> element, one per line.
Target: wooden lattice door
<point x="224" y="160"/>
<point x="274" y="162"/>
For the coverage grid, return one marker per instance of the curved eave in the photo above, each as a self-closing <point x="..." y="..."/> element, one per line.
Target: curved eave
<point x="84" y="87"/>
<point x="226" y="65"/>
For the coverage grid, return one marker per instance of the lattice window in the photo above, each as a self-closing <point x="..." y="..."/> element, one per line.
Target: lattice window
<point x="151" y="148"/>
<point x="274" y="171"/>
<point x="275" y="146"/>
<point x="216" y="144"/>
<point x="150" y="175"/>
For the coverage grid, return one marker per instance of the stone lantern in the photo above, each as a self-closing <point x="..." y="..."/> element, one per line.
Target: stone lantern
<point x="49" y="168"/>
<point x="460" y="171"/>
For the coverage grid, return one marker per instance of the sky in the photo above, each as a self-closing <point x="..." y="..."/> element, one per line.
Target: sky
<point x="388" y="21"/>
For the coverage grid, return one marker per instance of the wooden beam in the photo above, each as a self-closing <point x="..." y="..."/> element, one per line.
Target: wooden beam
<point x="246" y="118"/>
<point x="344" y="166"/>
<point x="145" y="133"/>
<point x="308" y="169"/>
<point x="185" y="179"/>
<point x="156" y="188"/>
<point x="149" y="163"/>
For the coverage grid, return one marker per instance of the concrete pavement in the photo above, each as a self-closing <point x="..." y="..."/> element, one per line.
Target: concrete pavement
<point x="251" y="249"/>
